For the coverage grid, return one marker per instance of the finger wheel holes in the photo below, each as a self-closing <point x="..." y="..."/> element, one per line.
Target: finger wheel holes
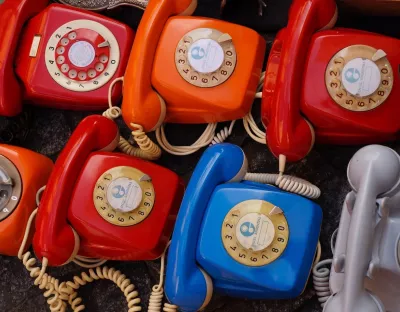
<point x="205" y="57"/>
<point x="356" y="82"/>
<point x="253" y="236"/>
<point x="82" y="55"/>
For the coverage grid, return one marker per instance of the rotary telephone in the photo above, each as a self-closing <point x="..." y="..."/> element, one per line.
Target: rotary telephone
<point x="365" y="270"/>
<point x="63" y="57"/>
<point x="242" y="239"/>
<point x="104" y="205"/>
<point x="334" y="86"/>
<point x="189" y="69"/>
<point x="22" y="174"/>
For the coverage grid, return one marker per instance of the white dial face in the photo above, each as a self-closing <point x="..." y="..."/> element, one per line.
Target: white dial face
<point x="255" y="231"/>
<point x="361" y="77"/>
<point x="82" y="55"/>
<point x="205" y="57"/>
<point x="124" y="194"/>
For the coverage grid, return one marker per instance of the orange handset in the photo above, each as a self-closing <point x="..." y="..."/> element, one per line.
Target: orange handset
<point x="189" y="69"/>
<point x="22" y="174"/>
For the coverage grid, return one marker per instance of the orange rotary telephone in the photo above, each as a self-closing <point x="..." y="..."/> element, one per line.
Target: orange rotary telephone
<point x="189" y="69"/>
<point x="22" y="174"/>
<point x="105" y="205"/>
<point x="337" y="86"/>
<point x="64" y="57"/>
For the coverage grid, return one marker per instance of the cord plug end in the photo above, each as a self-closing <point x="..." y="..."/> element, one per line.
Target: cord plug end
<point x="282" y="164"/>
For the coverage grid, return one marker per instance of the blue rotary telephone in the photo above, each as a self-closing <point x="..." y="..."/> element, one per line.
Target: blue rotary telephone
<point x="242" y="239"/>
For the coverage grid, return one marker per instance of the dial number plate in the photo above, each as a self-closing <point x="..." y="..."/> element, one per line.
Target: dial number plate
<point x="82" y="55"/>
<point x="364" y="99"/>
<point x="258" y="242"/>
<point x="211" y="52"/>
<point x="117" y="217"/>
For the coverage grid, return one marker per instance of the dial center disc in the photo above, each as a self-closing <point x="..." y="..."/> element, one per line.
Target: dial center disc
<point x="206" y="56"/>
<point x="361" y="77"/>
<point x="81" y="54"/>
<point x="255" y="231"/>
<point x="124" y="194"/>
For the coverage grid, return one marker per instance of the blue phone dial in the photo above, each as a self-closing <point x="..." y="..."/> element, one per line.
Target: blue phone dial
<point x="243" y="239"/>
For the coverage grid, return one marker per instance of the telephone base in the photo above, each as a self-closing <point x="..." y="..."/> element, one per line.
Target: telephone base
<point x="286" y="276"/>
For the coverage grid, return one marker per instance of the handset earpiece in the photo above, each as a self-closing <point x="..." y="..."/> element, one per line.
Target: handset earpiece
<point x="374" y="171"/>
<point x="141" y="103"/>
<point x="288" y="133"/>
<point x="187" y="285"/>
<point x="13" y="15"/>
<point x="54" y="238"/>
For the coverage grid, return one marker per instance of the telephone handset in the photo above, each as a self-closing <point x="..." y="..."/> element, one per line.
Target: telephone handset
<point x="105" y="205"/>
<point x="22" y="174"/>
<point x="239" y="238"/>
<point x="365" y="267"/>
<point x="334" y="86"/>
<point x="189" y="69"/>
<point x="64" y="57"/>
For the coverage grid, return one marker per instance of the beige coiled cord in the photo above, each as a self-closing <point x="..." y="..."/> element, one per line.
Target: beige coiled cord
<point x="69" y="289"/>
<point x="57" y="294"/>
<point x="157" y="293"/>
<point x="147" y="148"/>
<point x="209" y="137"/>
<point x="287" y="183"/>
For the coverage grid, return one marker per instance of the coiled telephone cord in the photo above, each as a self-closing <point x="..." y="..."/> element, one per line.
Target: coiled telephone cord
<point x="157" y="293"/>
<point x="286" y="183"/>
<point x="57" y="294"/>
<point x="321" y="274"/>
<point x="209" y="137"/>
<point x="204" y="140"/>
<point x="69" y="289"/>
<point x="146" y="149"/>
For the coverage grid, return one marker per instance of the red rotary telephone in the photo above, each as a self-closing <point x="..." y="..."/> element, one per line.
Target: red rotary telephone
<point x="63" y="57"/>
<point x="105" y="205"/>
<point x="335" y="86"/>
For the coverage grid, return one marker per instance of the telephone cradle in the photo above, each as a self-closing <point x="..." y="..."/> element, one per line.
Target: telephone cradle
<point x="365" y="272"/>
<point x="242" y="239"/>
<point x="22" y="174"/>
<point x="329" y="85"/>
<point x="59" y="56"/>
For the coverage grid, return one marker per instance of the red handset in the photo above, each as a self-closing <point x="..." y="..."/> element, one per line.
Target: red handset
<point x="13" y="14"/>
<point x="288" y="133"/>
<point x="54" y="238"/>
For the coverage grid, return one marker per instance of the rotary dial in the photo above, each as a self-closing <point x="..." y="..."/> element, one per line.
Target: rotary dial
<point x="82" y="55"/>
<point x="10" y="187"/>
<point x="124" y="196"/>
<point x="205" y="57"/>
<point x="359" y="78"/>
<point x="255" y="232"/>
